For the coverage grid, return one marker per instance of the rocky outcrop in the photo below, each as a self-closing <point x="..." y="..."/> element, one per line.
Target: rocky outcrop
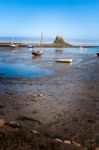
<point x="60" y="41"/>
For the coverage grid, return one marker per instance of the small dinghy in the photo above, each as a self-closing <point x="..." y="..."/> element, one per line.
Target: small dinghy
<point x="12" y="44"/>
<point x="37" y="52"/>
<point x="98" y="54"/>
<point x="68" y="60"/>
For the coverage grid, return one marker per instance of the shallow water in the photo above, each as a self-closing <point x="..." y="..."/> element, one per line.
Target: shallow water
<point x="22" y="71"/>
<point x="20" y="62"/>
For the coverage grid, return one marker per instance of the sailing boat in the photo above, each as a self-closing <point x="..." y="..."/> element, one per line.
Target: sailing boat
<point x="97" y="54"/>
<point x="12" y="45"/>
<point x="38" y="52"/>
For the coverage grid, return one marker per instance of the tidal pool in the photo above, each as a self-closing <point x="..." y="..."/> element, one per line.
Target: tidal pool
<point x="22" y="71"/>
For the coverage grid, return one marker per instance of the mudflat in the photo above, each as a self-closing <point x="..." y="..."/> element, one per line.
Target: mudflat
<point x="63" y="106"/>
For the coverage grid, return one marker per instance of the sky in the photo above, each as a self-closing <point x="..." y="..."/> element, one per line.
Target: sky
<point x="69" y="18"/>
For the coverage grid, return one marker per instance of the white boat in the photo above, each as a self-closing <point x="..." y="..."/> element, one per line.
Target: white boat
<point x="30" y="46"/>
<point x="38" y="51"/>
<point x="12" y="45"/>
<point x="81" y="48"/>
<point x="63" y="60"/>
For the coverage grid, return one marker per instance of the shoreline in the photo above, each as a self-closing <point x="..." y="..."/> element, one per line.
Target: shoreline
<point x="46" y="45"/>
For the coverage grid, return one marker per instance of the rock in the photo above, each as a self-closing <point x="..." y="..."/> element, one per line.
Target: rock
<point x="25" y="118"/>
<point x="58" y="140"/>
<point x="34" y="95"/>
<point x="76" y="144"/>
<point x="2" y="122"/>
<point x="38" y="95"/>
<point x="67" y="142"/>
<point x="34" y="132"/>
<point x="13" y="124"/>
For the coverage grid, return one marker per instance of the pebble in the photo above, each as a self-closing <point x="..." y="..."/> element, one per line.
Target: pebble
<point x="38" y="95"/>
<point x="2" y="122"/>
<point x="34" y="132"/>
<point x="58" y="140"/>
<point x="13" y="124"/>
<point x="67" y="142"/>
<point x="34" y="95"/>
<point x="76" y="144"/>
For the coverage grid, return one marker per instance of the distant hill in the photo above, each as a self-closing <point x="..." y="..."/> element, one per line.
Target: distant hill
<point x="60" y="41"/>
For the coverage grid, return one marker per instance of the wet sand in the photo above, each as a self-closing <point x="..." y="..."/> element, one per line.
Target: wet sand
<point x="63" y="106"/>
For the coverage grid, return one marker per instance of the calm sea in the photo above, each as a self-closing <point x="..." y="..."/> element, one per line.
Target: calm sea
<point x="24" y="39"/>
<point x="46" y="39"/>
<point x="20" y="63"/>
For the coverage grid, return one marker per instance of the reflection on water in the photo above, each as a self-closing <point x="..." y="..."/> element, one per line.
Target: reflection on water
<point x="21" y="70"/>
<point x="21" y="63"/>
<point x="58" y="51"/>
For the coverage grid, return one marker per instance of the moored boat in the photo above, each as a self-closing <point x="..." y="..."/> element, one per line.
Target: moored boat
<point x="37" y="52"/>
<point x="98" y="54"/>
<point x="13" y="45"/>
<point x="67" y="60"/>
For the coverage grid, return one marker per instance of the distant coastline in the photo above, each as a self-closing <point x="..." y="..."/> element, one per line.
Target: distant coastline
<point x="25" y="42"/>
<point x="46" y="45"/>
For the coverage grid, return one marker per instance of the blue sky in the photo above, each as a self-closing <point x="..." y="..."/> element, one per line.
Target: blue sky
<point x="69" y="18"/>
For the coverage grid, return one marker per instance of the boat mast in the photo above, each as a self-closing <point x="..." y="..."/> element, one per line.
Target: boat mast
<point x="12" y="40"/>
<point x="41" y="38"/>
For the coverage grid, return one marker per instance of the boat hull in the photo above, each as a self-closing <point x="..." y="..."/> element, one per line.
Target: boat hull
<point x="64" y="60"/>
<point x="37" y="53"/>
<point x="98" y="54"/>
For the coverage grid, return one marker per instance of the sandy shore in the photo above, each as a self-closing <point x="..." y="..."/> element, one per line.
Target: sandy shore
<point x="64" y="106"/>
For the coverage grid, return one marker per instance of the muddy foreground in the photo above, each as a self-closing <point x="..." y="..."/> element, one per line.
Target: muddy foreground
<point x="64" y="106"/>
